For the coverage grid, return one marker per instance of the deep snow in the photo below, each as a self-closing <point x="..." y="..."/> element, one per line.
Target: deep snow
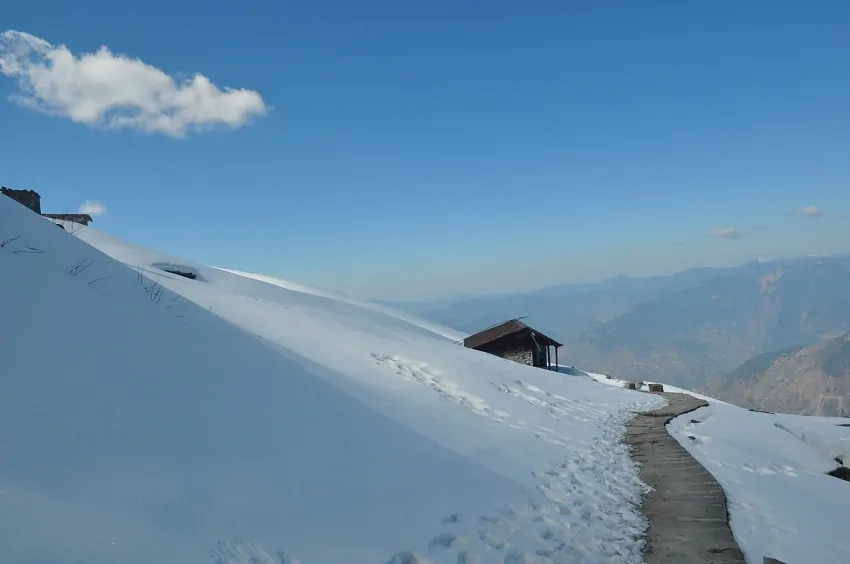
<point x="146" y="417"/>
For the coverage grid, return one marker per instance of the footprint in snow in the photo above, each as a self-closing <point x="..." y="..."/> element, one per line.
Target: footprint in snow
<point x="464" y="557"/>
<point x="448" y="540"/>
<point x="407" y="557"/>
<point x="493" y="542"/>
<point x="453" y="518"/>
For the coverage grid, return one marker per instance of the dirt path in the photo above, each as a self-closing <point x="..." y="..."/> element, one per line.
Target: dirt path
<point x="687" y="509"/>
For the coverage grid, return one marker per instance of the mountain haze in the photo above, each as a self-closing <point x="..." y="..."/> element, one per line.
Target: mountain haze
<point x="564" y="311"/>
<point x="687" y="329"/>
<point x="692" y="336"/>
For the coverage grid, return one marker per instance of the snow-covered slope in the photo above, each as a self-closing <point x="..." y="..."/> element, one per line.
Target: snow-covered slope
<point x="146" y="417"/>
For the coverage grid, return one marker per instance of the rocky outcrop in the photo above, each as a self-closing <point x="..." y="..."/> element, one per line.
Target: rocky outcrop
<point x="842" y="473"/>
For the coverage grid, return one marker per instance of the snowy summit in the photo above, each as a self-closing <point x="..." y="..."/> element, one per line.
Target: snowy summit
<point x="156" y="410"/>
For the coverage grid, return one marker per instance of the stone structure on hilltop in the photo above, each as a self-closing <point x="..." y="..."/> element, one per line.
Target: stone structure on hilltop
<point x="28" y="198"/>
<point x="516" y="341"/>
<point x="32" y="200"/>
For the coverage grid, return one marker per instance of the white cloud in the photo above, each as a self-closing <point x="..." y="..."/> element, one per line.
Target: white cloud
<point x="102" y="89"/>
<point x="809" y="211"/>
<point x="93" y="208"/>
<point x="726" y="232"/>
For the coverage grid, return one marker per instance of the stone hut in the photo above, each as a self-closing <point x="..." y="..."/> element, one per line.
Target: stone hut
<point x="28" y="198"/>
<point x="516" y="341"/>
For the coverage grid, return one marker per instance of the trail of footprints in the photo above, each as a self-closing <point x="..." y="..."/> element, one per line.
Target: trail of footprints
<point x="577" y="518"/>
<point x="555" y="406"/>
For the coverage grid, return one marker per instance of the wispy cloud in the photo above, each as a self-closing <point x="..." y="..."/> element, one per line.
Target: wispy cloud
<point x="726" y="232"/>
<point x="103" y="89"/>
<point x="93" y="208"/>
<point x="809" y="211"/>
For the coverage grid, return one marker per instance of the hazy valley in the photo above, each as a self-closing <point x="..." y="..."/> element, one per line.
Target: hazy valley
<point x="695" y="328"/>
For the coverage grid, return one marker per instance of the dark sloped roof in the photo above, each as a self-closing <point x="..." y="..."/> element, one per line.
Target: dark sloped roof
<point x="504" y="329"/>
<point x="83" y="218"/>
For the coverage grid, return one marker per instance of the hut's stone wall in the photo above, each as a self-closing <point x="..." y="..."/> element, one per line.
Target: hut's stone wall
<point x="522" y="357"/>
<point x="28" y="198"/>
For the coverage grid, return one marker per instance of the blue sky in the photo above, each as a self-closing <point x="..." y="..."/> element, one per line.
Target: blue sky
<point x="421" y="149"/>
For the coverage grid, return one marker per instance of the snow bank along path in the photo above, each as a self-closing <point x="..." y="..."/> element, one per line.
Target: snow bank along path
<point x="687" y="507"/>
<point x="148" y="417"/>
<point x="772" y="467"/>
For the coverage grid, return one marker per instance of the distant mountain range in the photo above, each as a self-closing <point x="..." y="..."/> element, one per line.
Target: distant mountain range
<point x="813" y="380"/>
<point x="563" y="312"/>
<point x="692" y="329"/>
